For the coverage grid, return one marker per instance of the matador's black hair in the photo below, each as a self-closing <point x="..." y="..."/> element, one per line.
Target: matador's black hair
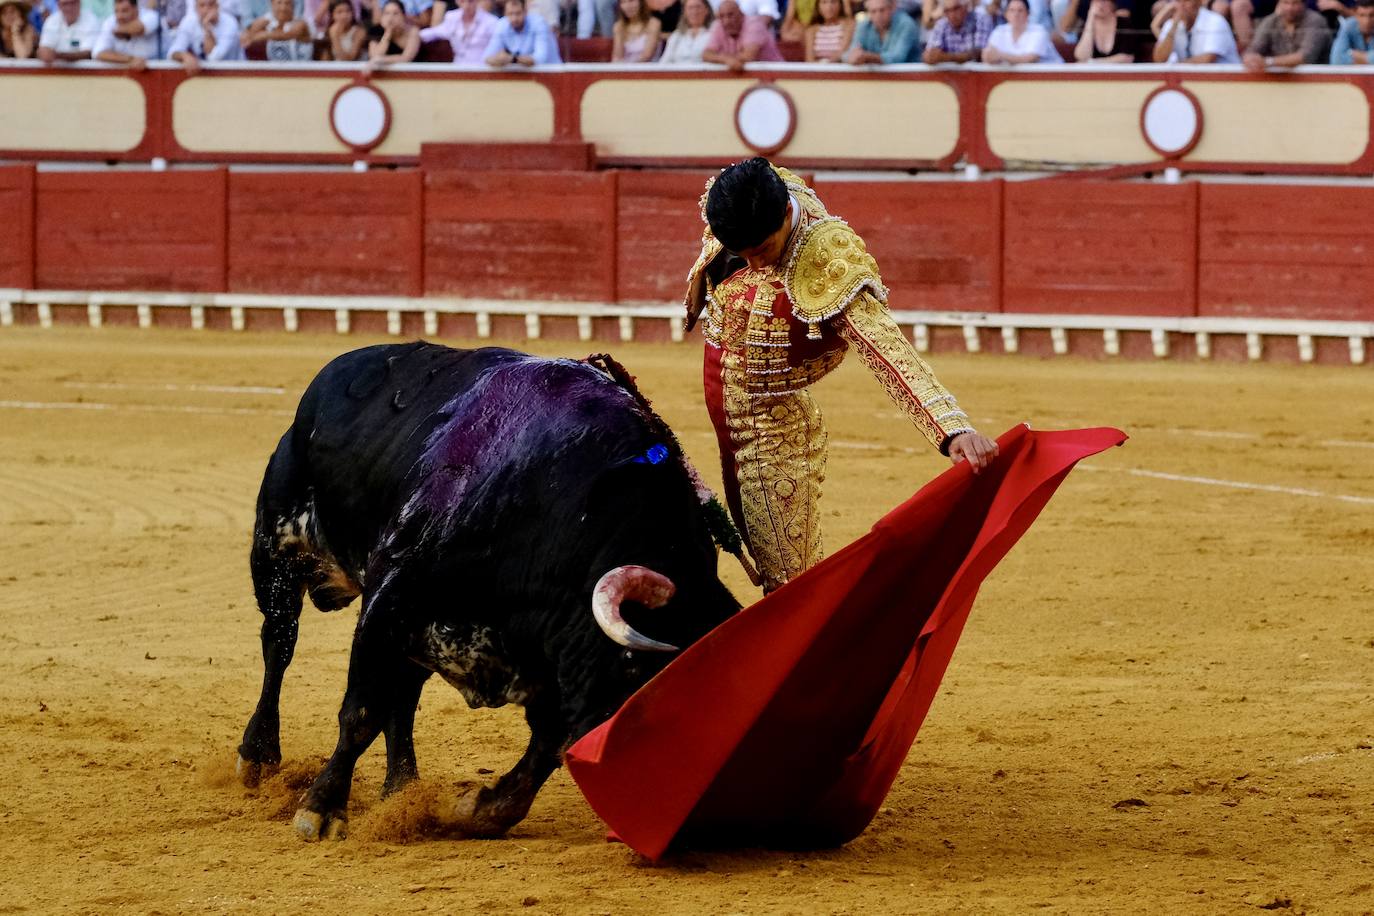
<point x="747" y="203"/>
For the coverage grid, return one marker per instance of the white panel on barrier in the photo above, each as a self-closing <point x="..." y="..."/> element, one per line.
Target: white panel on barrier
<point x="765" y="118"/>
<point x="1171" y="121"/>
<point x="360" y="116"/>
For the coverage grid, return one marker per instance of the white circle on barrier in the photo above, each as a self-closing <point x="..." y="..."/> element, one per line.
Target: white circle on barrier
<point x="1171" y="121"/>
<point x="765" y="118"/>
<point x="360" y="116"/>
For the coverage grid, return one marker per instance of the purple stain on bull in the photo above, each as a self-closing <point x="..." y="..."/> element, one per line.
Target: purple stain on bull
<point x="513" y="524"/>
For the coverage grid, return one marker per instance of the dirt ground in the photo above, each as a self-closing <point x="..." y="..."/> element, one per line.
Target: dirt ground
<point x="1163" y="702"/>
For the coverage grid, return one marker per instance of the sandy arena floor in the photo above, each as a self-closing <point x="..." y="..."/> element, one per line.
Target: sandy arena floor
<point x="1205" y="650"/>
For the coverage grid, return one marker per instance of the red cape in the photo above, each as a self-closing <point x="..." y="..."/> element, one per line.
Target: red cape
<point x="787" y="725"/>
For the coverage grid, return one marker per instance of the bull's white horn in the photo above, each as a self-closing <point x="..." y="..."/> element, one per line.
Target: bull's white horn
<point x="630" y="583"/>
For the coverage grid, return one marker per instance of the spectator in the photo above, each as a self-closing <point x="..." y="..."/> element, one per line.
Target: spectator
<point x="830" y="33"/>
<point x="1042" y="12"/>
<point x="887" y="36"/>
<point x="1104" y="39"/>
<point x="1189" y="34"/>
<point x="688" y="40"/>
<point x="128" y="37"/>
<point x="768" y="9"/>
<point x="320" y="14"/>
<point x="1072" y="16"/>
<point x="595" y="16"/>
<point x="1293" y="35"/>
<point x="250" y="11"/>
<point x="205" y="34"/>
<point x="667" y="12"/>
<point x="70" y="33"/>
<point x="287" y="37"/>
<point x="959" y="36"/>
<point x="18" y="37"/>
<point x="636" y="34"/>
<point x="1242" y="15"/>
<point x="802" y="14"/>
<point x="796" y="19"/>
<point x="522" y="38"/>
<point x="1018" y="41"/>
<point x="736" y="40"/>
<point x="468" y="30"/>
<point x="347" y="37"/>
<point x="1335" y="12"/>
<point x="399" y="41"/>
<point x="1355" y="40"/>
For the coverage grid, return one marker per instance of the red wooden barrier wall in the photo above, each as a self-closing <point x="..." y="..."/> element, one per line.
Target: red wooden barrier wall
<point x="659" y="235"/>
<point x="314" y="233"/>
<point x="521" y="235"/>
<point x="1110" y="248"/>
<point x="131" y="230"/>
<point x="937" y="243"/>
<point x="1282" y="251"/>
<point x="16" y="230"/>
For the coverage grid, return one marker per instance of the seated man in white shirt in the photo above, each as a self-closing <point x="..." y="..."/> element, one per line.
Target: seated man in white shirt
<point x="69" y="34"/>
<point x="130" y="37"/>
<point x="1192" y="35"/>
<point x="206" y="34"/>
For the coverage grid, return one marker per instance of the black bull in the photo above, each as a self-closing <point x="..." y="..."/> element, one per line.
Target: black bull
<point x="493" y="510"/>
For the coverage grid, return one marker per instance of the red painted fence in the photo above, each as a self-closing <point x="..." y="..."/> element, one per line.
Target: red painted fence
<point x="1100" y="248"/>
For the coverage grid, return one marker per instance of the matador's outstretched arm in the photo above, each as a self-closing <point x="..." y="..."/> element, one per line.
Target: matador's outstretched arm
<point x="868" y="327"/>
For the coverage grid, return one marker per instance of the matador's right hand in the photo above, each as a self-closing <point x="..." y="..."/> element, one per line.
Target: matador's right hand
<point x="975" y="448"/>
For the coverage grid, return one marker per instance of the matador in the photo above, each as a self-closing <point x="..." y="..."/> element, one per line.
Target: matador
<point x="786" y="289"/>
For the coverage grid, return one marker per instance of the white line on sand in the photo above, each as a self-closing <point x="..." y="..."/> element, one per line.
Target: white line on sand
<point x="1161" y="475"/>
<point x="1231" y="434"/>
<point x="172" y="386"/>
<point x="1235" y="484"/>
<point x="141" y="408"/>
<point x="1214" y="433"/>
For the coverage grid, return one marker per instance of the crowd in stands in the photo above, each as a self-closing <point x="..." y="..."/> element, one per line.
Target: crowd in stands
<point x="1260" y="34"/>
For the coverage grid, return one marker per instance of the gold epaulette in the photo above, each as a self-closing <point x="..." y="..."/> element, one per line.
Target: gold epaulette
<point x="802" y="192"/>
<point x="698" y="286"/>
<point x="829" y="268"/>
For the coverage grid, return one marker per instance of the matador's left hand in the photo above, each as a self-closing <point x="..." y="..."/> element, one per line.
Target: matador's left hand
<point x="975" y="448"/>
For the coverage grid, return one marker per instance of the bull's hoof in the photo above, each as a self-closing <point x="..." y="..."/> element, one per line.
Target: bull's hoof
<point x="397" y="781"/>
<point x="314" y="826"/>
<point x="251" y="772"/>
<point x="473" y="816"/>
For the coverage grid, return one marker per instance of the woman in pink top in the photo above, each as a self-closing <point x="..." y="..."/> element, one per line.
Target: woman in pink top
<point x="635" y="38"/>
<point x="830" y="33"/>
